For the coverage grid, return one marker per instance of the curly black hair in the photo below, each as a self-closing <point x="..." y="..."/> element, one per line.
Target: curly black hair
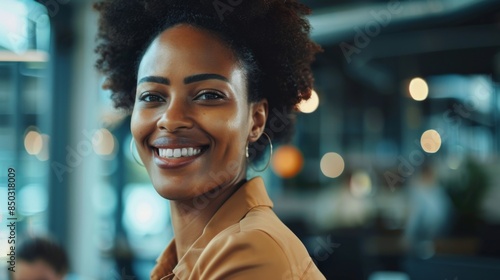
<point x="269" y="37"/>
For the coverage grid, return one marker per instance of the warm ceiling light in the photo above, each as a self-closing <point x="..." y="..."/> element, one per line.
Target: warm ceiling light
<point x="430" y="141"/>
<point x="103" y="142"/>
<point x="418" y="89"/>
<point x="332" y="165"/>
<point x="287" y="161"/>
<point x="33" y="142"/>
<point x="310" y="105"/>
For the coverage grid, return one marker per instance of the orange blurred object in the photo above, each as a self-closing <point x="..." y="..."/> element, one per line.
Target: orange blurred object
<point x="287" y="161"/>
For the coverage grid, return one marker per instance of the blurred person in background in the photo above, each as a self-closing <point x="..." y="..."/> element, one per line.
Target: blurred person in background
<point x="210" y="86"/>
<point x="429" y="212"/>
<point x="40" y="258"/>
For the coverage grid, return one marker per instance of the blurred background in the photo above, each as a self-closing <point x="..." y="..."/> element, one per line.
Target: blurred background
<point x="393" y="173"/>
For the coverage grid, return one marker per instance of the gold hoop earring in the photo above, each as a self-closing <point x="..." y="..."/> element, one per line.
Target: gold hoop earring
<point x="270" y="155"/>
<point x="132" y="148"/>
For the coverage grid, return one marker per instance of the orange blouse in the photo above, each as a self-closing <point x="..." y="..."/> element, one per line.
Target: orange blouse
<point x="243" y="240"/>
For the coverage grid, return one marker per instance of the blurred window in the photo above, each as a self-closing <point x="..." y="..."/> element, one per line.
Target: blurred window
<point x="24" y="116"/>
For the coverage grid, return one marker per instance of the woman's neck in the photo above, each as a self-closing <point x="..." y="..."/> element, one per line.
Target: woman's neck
<point x="189" y="218"/>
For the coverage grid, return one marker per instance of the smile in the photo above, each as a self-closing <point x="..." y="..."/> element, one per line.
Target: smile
<point x="168" y="158"/>
<point x="180" y="152"/>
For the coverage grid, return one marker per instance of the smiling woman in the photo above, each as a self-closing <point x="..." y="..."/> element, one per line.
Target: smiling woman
<point x="191" y="96"/>
<point x="202" y="92"/>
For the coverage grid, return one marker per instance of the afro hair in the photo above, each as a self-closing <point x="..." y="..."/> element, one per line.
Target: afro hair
<point x="269" y="37"/>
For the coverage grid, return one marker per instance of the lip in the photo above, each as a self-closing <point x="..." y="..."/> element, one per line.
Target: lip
<point x="165" y="142"/>
<point x="175" y="143"/>
<point x="173" y="163"/>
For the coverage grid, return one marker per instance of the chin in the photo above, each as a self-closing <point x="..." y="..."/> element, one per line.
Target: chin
<point x="174" y="189"/>
<point x="171" y="194"/>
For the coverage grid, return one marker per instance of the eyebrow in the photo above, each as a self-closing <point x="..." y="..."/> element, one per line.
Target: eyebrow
<point x="202" y="77"/>
<point x="154" y="79"/>
<point x="187" y="80"/>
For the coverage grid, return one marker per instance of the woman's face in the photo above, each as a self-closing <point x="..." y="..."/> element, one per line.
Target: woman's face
<point x="191" y="119"/>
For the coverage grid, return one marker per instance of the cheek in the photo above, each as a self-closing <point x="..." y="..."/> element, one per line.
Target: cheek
<point x="240" y="118"/>
<point x="231" y="130"/>
<point x="140" y="123"/>
<point x="134" y="124"/>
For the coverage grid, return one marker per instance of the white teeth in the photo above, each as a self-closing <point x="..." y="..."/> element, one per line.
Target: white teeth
<point x="177" y="153"/>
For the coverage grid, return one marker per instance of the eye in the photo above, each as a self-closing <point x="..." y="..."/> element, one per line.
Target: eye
<point x="209" y="95"/>
<point x="150" y="97"/>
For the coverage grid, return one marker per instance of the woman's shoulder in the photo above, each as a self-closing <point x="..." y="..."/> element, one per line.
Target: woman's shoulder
<point x="261" y="240"/>
<point x="263" y="219"/>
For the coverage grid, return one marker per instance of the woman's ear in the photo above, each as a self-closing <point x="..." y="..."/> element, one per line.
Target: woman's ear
<point x="258" y="113"/>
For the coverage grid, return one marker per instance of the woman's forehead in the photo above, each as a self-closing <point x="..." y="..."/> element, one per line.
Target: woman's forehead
<point x="188" y="48"/>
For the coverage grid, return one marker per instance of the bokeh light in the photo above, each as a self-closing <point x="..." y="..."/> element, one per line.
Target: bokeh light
<point x="418" y="89"/>
<point x="430" y="141"/>
<point x="310" y="105"/>
<point x="287" y="161"/>
<point x="360" y="184"/>
<point x="145" y="212"/>
<point x="103" y="142"/>
<point x="332" y="165"/>
<point x="33" y="142"/>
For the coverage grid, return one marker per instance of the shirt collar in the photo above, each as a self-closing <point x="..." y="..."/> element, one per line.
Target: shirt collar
<point x="165" y="262"/>
<point x="250" y="195"/>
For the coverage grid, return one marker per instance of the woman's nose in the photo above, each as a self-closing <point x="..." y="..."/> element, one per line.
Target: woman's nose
<point x="176" y="115"/>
